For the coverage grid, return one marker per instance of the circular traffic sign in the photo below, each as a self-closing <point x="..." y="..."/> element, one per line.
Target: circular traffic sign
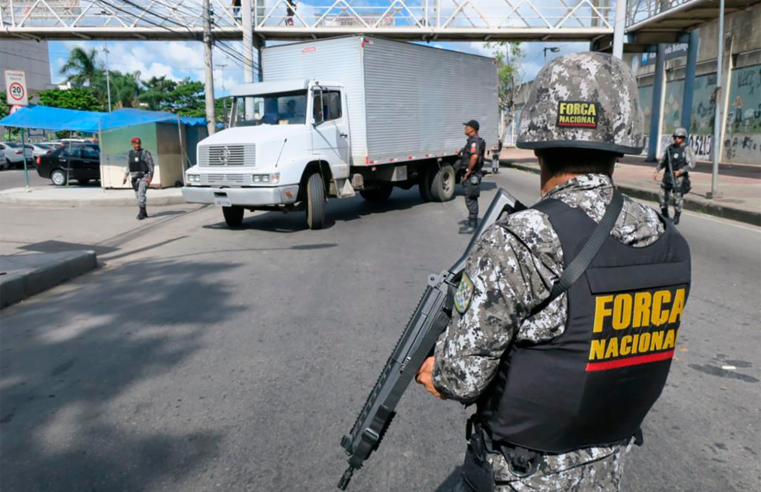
<point x="15" y="108"/>
<point x="16" y="91"/>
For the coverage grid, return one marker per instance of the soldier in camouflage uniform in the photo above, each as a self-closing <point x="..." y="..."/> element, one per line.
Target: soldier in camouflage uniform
<point x="677" y="161"/>
<point x="139" y="170"/>
<point x="516" y="262"/>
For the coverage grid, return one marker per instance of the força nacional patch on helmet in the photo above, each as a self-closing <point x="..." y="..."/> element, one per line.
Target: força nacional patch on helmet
<point x="464" y="294"/>
<point x="578" y="114"/>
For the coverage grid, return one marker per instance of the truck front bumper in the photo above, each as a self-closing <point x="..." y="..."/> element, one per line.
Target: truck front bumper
<point x="246" y="197"/>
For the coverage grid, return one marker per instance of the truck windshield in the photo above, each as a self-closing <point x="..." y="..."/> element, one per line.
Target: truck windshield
<point x="271" y="109"/>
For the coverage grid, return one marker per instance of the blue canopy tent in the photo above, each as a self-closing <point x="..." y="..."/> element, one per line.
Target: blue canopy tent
<point x="57" y="119"/>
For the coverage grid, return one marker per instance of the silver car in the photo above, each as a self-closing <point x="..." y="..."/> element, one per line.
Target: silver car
<point x="11" y="155"/>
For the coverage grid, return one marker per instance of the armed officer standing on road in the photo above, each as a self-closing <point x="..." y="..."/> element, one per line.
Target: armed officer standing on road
<point x="140" y="171"/>
<point x="566" y="317"/>
<point x="472" y="159"/>
<point x="677" y="161"/>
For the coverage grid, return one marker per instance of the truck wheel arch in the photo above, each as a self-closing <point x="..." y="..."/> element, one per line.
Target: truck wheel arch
<point x="321" y="167"/>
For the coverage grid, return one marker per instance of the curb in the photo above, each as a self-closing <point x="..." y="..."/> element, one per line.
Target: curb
<point x="55" y="269"/>
<point x="713" y="209"/>
<point x="12" y="197"/>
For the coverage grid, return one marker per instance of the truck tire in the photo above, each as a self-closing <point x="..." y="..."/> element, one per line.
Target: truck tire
<point x="233" y="216"/>
<point x="378" y="194"/>
<point x="315" y="202"/>
<point x="443" y="184"/>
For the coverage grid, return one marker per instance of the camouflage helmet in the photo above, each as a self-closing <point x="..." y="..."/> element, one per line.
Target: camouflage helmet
<point x="583" y="100"/>
<point x="680" y="132"/>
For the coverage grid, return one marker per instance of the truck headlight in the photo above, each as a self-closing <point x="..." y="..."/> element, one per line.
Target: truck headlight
<point x="194" y="178"/>
<point x="273" y="178"/>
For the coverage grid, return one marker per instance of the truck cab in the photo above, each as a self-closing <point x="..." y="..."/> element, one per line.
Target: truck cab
<point x="287" y="148"/>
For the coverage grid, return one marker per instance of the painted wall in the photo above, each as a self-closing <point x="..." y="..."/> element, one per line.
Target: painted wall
<point x="742" y="142"/>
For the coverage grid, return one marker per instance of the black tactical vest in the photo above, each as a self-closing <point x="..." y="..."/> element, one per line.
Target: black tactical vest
<point x="594" y="384"/>
<point x="480" y="150"/>
<point x="136" y="162"/>
<point x="677" y="155"/>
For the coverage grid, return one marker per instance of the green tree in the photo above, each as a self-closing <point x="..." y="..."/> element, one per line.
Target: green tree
<point x="187" y="99"/>
<point x="125" y="89"/>
<point x="74" y="98"/>
<point x="157" y="91"/>
<point x="508" y="56"/>
<point x="81" y="69"/>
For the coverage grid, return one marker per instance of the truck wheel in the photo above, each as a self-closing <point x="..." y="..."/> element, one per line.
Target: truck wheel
<point x="442" y="186"/>
<point x="315" y="202"/>
<point x="58" y="177"/>
<point x="379" y="194"/>
<point x="233" y="215"/>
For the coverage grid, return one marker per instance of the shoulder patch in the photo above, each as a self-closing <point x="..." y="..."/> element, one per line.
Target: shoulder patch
<point x="464" y="294"/>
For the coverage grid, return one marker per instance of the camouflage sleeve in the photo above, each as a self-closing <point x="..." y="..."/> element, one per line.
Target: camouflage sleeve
<point x="490" y="305"/>
<point x="663" y="160"/>
<point x="149" y="161"/>
<point x="690" y="157"/>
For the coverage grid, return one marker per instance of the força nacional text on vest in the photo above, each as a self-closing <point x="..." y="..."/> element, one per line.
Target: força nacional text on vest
<point x="635" y="328"/>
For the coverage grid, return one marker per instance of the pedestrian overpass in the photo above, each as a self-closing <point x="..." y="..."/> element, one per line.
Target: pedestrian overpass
<point x="422" y="20"/>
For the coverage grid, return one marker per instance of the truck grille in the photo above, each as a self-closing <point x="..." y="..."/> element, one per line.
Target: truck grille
<point x="227" y="155"/>
<point x="226" y="179"/>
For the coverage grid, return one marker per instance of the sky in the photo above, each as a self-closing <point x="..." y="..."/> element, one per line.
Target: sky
<point x="181" y="59"/>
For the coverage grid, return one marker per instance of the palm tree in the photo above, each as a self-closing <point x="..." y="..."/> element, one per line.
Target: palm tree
<point x="81" y="68"/>
<point x="125" y="88"/>
<point x="157" y="92"/>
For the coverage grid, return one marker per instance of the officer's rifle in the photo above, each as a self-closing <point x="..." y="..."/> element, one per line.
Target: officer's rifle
<point x="429" y="320"/>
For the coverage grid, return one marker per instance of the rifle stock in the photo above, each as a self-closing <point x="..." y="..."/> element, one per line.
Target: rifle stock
<point x="416" y="343"/>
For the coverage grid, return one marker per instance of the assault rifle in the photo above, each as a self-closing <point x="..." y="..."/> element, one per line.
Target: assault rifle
<point x="415" y="345"/>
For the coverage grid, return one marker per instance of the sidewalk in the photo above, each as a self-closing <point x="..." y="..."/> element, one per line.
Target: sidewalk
<point x="90" y="196"/>
<point x="739" y="196"/>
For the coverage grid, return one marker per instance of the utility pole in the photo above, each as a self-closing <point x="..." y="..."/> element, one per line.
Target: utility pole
<point x="108" y="76"/>
<point x="248" y="52"/>
<point x="208" y="68"/>
<point x="718" y="120"/>
<point x="222" y="67"/>
<point x="619" y="29"/>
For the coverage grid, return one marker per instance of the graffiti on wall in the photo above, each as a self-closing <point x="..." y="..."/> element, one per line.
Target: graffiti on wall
<point x="672" y="106"/>
<point x="701" y="145"/>
<point x="703" y="104"/>
<point x="744" y="112"/>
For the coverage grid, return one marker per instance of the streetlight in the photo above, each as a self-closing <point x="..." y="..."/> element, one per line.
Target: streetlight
<point x="551" y="49"/>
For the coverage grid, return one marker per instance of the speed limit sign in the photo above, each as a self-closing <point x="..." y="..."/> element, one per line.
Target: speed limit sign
<point x="15" y="83"/>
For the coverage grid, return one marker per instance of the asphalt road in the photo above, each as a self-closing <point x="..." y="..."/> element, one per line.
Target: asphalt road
<point x="14" y="178"/>
<point x="201" y="358"/>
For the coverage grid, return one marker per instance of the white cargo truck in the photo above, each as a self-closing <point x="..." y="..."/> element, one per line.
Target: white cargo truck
<point x="342" y="115"/>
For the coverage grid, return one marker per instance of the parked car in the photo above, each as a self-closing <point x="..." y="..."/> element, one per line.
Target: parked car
<point x="77" y="161"/>
<point x="11" y="155"/>
<point x="39" y="149"/>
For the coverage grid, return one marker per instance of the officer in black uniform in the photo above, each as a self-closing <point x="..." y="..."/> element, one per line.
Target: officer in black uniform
<point x="140" y="171"/>
<point x="472" y="161"/>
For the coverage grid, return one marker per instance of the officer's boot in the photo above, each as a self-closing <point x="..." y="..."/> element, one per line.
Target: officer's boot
<point x="141" y="215"/>
<point x="676" y="216"/>
<point x="665" y="212"/>
<point x="145" y="212"/>
<point x="468" y="228"/>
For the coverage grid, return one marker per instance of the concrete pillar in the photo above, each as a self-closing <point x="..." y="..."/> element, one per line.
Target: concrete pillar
<point x="657" y="109"/>
<point x="618" y="29"/>
<point x="689" y="80"/>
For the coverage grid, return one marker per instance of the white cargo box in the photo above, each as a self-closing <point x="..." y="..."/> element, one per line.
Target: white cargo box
<point x="405" y="101"/>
